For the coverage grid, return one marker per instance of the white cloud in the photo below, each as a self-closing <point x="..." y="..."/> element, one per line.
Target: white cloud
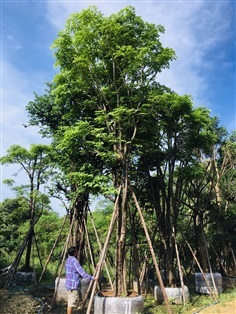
<point x="17" y="91"/>
<point x="13" y="43"/>
<point x="58" y="12"/>
<point x="193" y="29"/>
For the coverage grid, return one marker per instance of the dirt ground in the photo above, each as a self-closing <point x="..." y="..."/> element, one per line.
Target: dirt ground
<point x="220" y="308"/>
<point x="23" y="302"/>
<point x="12" y="302"/>
<point x="17" y="303"/>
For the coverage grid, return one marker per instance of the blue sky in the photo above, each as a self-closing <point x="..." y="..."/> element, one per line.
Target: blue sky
<point x="202" y="33"/>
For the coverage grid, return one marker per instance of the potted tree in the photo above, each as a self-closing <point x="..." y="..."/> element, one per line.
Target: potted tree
<point x="102" y="99"/>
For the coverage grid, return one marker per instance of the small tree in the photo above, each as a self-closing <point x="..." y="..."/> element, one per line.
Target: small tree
<point x="13" y="212"/>
<point x="35" y="163"/>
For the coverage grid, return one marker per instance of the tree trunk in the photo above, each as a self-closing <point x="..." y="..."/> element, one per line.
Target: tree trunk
<point x="32" y="218"/>
<point x="28" y="250"/>
<point x="135" y="256"/>
<point x="199" y="233"/>
<point x="121" y="276"/>
<point x="120" y="251"/>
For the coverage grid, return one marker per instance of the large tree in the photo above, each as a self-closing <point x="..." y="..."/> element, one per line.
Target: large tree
<point x="108" y="67"/>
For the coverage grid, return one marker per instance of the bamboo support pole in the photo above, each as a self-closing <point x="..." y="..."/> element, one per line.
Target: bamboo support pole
<point x="90" y="250"/>
<point x="89" y="245"/>
<point x="129" y="266"/>
<point x="225" y="270"/>
<point x="210" y="268"/>
<point x="100" y="247"/>
<point x="91" y="271"/>
<point x="37" y="248"/>
<point x="233" y="256"/>
<point x="180" y="269"/>
<point x="208" y="286"/>
<point x="102" y="256"/>
<point x="33" y="266"/>
<point x="143" y="271"/>
<point x="63" y="259"/>
<point x="60" y="260"/>
<point x="50" y="254"/>
<point x="153" y="254"/>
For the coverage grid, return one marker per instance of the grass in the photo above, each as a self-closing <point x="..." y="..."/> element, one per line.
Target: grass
<point x="197" y="302"/>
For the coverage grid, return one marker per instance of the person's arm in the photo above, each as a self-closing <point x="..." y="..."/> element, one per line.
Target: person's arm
<point x="81" y="271"/>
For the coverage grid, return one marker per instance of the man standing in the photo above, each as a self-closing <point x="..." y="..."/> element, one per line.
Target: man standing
<point x="73" y="272"/>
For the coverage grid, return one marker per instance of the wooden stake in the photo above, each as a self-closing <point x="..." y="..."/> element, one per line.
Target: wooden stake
<point x="50" y="254"/>
<point x="89" y="245"/>
<point x="90" y="250"/>
<point x="180" y="269"/>
<point x="233" y="256"/>
<point x="208" y="286"/>
<point x="225" y="270"/>
<point x="153" y="254"/>
<point x="37" y="248"/>
<point x="63" y="259"/>
<point x="100" y="247"/>
<point x="102" y="256"/>
<point x="209" y="265"/>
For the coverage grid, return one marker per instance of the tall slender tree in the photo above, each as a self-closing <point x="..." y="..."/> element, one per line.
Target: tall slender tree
<point x="35" y="164"/>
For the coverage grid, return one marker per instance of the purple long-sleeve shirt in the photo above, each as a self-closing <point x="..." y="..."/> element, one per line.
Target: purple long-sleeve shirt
<point x="73" y="272"/>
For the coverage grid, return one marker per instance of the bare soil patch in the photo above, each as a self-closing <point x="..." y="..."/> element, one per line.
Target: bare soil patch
<point x="17" y="303"/>
<point x="220" y="308"/>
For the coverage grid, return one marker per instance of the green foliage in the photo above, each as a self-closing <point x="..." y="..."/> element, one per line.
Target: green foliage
<point x="14" y="226"/>
<point x="35" y="163"/>
<point x="13" y="212"/>
<point x="197" y="304"/>
<point x="101" y="217"/>
<point x="47" y="231"/>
